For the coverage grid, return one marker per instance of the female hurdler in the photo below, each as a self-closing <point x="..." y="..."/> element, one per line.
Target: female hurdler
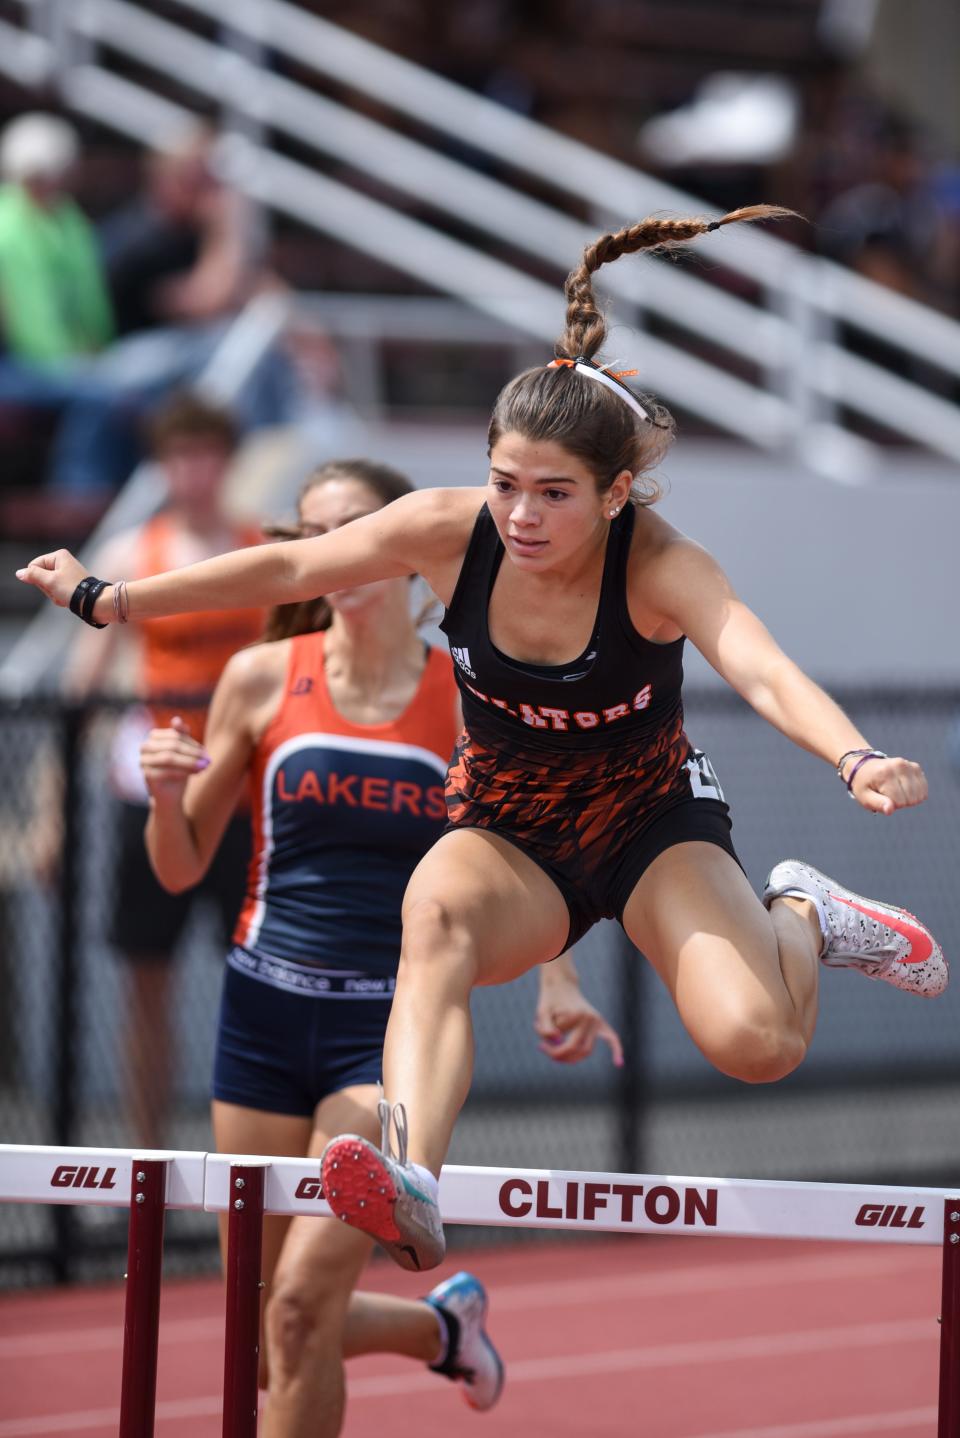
<point x="574" y="792"/>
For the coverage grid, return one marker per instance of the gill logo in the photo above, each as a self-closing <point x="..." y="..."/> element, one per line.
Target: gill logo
<point x="82" y="1176"/>
<point x="889" y="1215"/>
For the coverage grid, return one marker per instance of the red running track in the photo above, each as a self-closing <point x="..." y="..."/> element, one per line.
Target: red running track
<point x="647" y="1337"/>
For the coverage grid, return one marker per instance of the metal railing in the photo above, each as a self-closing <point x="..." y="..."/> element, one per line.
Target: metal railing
<point x="803" y="378"/>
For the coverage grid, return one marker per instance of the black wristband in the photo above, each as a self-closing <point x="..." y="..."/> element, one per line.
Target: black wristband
<point x="84" y="597"/>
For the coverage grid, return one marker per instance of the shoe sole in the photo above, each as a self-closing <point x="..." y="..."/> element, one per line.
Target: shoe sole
<point x="361" y="1191"/>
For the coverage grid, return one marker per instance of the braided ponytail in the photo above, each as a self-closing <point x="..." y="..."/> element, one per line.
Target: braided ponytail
<point x="586" y="326"/>
<point x="589" y="420"/>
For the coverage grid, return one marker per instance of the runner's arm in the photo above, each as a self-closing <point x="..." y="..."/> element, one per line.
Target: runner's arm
<point x="412" y="535"/>
<point x="566" y="1021"/>
<point x="191" y="802"/>
<point x="689" y="588"/>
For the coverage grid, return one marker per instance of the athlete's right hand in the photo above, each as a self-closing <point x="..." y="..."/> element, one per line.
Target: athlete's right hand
<point x="56" y="575"/>
<point x="168" y="757"/>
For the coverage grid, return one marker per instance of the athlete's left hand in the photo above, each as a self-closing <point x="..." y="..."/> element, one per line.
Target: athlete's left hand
<point x="885" y="785"/>
<point x="569" y="1026"/>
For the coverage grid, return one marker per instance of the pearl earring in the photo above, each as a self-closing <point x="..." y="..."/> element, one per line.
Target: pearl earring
<point x="614" y="512"/>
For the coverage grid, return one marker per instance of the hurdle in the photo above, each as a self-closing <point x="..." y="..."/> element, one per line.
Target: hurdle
<point x="247" y="1187"/>
<point x="148" y="1184"/>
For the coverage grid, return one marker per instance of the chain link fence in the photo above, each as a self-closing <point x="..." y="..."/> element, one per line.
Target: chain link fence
<point x="876" y="1100"/>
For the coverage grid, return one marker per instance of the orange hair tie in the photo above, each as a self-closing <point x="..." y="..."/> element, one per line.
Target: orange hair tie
<point x="607" y="378"/>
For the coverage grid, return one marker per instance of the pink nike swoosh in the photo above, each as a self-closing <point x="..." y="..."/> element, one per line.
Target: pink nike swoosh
<point x="921" y="944"/>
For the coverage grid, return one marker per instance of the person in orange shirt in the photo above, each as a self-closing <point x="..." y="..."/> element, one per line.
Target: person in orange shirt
<point x="171" y="666"/>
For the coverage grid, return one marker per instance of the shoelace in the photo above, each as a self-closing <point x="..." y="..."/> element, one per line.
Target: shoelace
<point x="395" y="1114"/>
<point x="853" y="933"/>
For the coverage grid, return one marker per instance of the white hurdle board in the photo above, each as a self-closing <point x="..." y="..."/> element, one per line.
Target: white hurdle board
<point x="47" y="1174"/>
<point x="507" y="1197"/>
<point x="631" y="1203"/>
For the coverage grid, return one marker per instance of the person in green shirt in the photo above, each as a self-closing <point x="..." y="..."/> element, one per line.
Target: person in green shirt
<point x="61" y="358"/>
<point x="55" y="311"/>
<point x="54" y="306"/>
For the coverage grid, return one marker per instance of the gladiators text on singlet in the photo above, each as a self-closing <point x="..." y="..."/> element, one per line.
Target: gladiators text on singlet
<point x="584" y="766"/>
<point x="342" y="814"/>
<point x="620" y="690"/>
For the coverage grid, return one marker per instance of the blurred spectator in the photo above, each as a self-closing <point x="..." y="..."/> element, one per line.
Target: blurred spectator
<point x="881" y="199"/>
<point x="178" y="660"/>
<point x="54" y="309"/>
<point x="182" y="259"/>
<point x="180" y="252"/>
<point x="54" y="300"/>
<point x="886" y="224"/>
<point x="179" y="266"/>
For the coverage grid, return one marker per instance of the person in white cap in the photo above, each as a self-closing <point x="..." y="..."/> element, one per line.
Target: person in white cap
<point x="55" y="312"/>
<point x="53" y="297"/>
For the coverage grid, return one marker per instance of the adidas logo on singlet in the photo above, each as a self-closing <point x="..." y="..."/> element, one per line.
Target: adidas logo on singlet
<point x="461" y="657"/>
<point x="582" y="673"/>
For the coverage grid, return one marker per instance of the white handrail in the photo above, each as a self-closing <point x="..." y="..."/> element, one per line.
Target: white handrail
<point x="572" y="167"/>
<point x="892" y="317"/>
<point x="485" y="125"/>
<point x="565" y="163"/>
<point x="24" y="57"/>
<point x="761" y="336"/>
<point x="489" y="285"/>
<point x="798" y="361"/>
<point x="544" y="231"/>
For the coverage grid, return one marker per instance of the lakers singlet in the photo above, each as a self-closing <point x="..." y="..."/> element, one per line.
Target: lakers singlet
<point x="342" y="814"/>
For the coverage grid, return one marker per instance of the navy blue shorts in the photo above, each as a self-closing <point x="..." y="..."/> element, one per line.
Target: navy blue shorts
<point x="290" y="1035"/>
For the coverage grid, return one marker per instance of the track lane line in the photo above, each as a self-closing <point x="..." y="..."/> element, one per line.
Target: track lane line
<point x="538" y="1370"/>
<point x="848" y="1427"/>
<point x="516" y="1297"/>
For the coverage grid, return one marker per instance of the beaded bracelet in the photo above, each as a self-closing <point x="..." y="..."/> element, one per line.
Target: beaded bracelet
<point x="121" y="601"/>
<point x="865" y="757"/>
<point x="850" y="754"/>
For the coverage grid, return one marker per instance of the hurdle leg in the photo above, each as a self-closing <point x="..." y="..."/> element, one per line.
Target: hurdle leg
<point x="948" y="1423"/>
<point x="242" y="1332"/>
<point x="141" y="1322"/>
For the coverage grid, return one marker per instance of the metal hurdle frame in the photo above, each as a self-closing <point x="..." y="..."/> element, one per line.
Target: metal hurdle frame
<point x="148" y="1183"/>
<point x="248" y="1187"/>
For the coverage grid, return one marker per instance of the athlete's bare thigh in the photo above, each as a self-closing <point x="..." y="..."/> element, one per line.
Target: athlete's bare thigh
<point x="695" y="917"/>
<point x="491" y="899"/>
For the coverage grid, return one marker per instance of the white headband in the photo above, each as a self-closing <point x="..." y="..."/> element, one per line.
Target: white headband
<point x="603" y="378"/>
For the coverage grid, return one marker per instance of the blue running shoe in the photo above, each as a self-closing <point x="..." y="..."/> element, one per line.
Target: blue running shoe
<point x="472" y="1359"/>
